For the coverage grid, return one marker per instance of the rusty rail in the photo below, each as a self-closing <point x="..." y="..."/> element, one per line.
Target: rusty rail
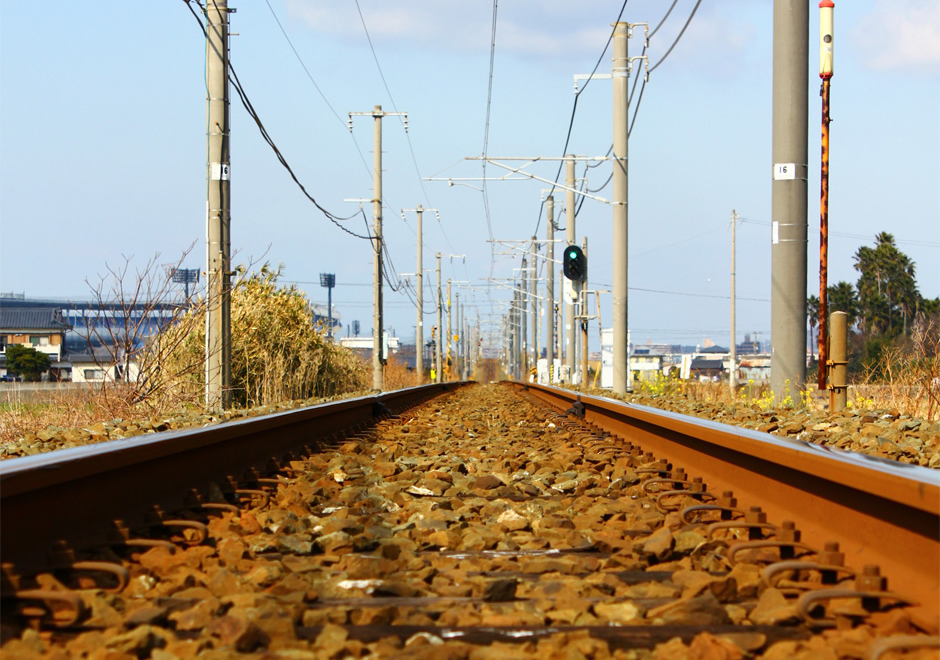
<point x="74" y="497"/>
<point x="880" y="512"/>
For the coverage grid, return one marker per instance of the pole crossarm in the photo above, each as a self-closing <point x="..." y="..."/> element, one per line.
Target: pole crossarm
<point x="492" y="160"/>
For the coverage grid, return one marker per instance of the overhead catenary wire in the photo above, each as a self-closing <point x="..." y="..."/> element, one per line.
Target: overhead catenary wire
<point x="391" y="98"/>
<point x="678" y="37"/>
<point x="317" y="87"/>
<point x="574" y="110"/>
<point x="246" y="103"/>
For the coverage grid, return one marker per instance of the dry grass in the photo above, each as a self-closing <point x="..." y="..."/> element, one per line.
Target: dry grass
<point x="397" y="375"/>
<point x="278" y="354"/>
<point x="65" y="408"/>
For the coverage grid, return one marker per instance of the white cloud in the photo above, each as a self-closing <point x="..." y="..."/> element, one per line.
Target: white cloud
<point x="532" y="28"/>
<point x="900" y="36"/>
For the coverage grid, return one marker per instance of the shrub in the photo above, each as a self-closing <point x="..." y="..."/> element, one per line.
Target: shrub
<point x="278" y="354"/>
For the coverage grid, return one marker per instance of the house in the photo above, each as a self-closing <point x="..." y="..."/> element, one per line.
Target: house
<point x="42" y="329"/>
<point x="101" y="365"/>
<point x="707" y="369"/>
<point x="646" y="367"/>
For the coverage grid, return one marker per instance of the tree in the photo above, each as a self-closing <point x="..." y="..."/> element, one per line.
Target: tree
<point x="26" y="361"/>
<point x="887" y="289"/>
<point x="842" y="298"/>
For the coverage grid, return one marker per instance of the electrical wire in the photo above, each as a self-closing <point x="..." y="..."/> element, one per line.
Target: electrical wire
<point x="246" y="103"/>
<point x="486" y="129"/>
<point x="681" y="32"/>
<point x="317" y="87"/>
<point x="574" y="110"/>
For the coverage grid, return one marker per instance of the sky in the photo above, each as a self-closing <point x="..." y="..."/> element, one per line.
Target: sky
<point x="102" y="147"/>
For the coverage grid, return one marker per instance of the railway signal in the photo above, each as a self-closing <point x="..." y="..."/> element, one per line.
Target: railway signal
<point x="575" y="264"/>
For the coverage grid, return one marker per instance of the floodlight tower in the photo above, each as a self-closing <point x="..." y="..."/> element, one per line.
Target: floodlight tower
<point x="328" y="280"/>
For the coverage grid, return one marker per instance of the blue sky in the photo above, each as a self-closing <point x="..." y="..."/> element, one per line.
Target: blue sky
<point x="102" y="145"/>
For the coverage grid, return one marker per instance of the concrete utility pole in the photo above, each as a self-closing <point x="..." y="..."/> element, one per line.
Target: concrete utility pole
<point x="550" y="284"/>
<point x="419" y="331"/>
<point x="449" y="362"/>
<point x="584" y="323"/>
<point x="535" y="306"/>
<point x="378" y="362"/>
<point x="440" y="328"/>
<point x="620" y="71"/>
<point x="458" y="336"/>
<point x="218" y="220"/>
<point x="419" y="341"/>
<point x="570" y="239"/>
<point x="788" y="214"/>
<point x="522" y="330"/>
<point x="733" y="375"/>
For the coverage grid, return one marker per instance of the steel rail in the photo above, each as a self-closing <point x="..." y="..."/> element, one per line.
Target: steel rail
<point x="76" y="495"/>
<point x="880" y="512"/>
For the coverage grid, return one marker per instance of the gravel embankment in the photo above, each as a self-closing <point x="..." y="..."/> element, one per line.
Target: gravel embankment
<point x="398" y="527"/>
<point x="885" y="433"/>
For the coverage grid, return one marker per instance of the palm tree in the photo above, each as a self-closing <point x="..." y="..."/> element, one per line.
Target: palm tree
<point x="887" y="289"/>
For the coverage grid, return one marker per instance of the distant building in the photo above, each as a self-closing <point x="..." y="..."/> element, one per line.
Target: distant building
<point x="41" y="329"/>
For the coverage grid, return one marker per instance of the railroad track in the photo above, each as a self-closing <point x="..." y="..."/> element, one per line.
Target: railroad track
<point x="519" y="518"/>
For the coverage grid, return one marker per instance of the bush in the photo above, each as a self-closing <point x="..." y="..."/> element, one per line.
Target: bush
<point x="277" y="352"/>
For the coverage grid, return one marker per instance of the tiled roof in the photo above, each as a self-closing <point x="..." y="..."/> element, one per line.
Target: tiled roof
<point x="13" y="318"/>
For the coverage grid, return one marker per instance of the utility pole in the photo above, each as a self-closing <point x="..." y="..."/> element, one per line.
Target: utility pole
<point x="584" y="323"/>
<point x="218" y="209"/>
<point x="620" y="71"/>
<point x="788" y="213"/>
<point x="524" y="366"/>
<point x="378" y="362"/>
<point x="449" y="360"/>
<point x="550" y="284"/>
<point x="440" y="328"/>
<point x="535" y="306"/>
<point x="826" y="8"/>
<point x="570" y="239"/>
<point x="457" y="337"/>
<point x="733" y="375"/>
<point x="419" y="340"/>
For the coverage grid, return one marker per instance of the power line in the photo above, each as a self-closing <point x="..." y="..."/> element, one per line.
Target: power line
<point x="246" y="103"/>
<point x="574" y="110"/>
<point x="391" y="98"/>
<point x="317" y="87"/>
<point x="486" y="130"/>
<point x="681" y="32"/>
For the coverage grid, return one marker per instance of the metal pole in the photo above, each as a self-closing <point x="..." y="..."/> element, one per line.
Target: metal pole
<point x="838" y="388"/>
<point x="570" y="238"/>
<point x="788" y="249"/>
<point x="535" y="307"/>
<point x="329" y="309"/>
<point x="733" y="375"/>
<point x="218" y="212"/>
<point x="440" y="328"/>
<point x="378" y="376"/>
<point x="826" y="9"/>
<point x="419" y="340"/>
<point x="550" y="287"/>
<point x="620" y="73"/>
<point x="823" y="235"/>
